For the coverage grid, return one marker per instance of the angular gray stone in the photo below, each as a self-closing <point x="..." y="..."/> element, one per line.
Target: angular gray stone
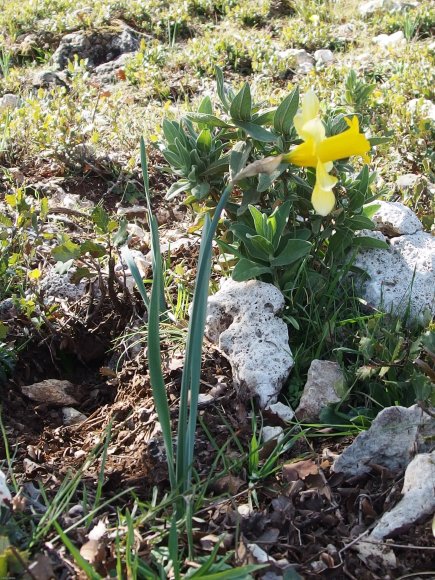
<point x="269" y="433"/>
<point x="10" y="101"/>
<point x="72" y="417"/>
<point x="394" y="437"/>
<point x="405" y="272"/>
<point x="50" y="392"/>
<point x="325" y="385"/>
<point x="395" y="219"/>
<point x="418" y="498"/>
<point x="97" y="47"/>
<point x="284" y="412"/>
<point x="242" y="320"/>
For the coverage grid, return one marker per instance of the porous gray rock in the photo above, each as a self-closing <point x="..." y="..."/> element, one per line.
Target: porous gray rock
<point x="404" y="274"/>
<point x="418" y="499"/>
<point x="111" y="71"/>
<point x="394" y="437"/>
<point x="97" y="47"/>
<point x="54" y="285"/>
<point x="46" y="79"/>
<point x="395" y="219"/>
<point x="325" y="385"/>
<point x="242" y="320"/>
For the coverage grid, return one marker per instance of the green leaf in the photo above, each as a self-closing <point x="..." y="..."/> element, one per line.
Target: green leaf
<point x="265" y="180"/>
<point x="281" y="214"/>
<point x="359" y="222"/>
<point x="178" y="187"/>
<point x="257" y="216"/>
<point x="206" y="106"/>
<point x="220" y="86"/>
<point x="127" y="256"/>
<point x="240" y="109"/>
<point x="378" y="141"/>
<point x="217" y="167"/>
<point x="94" y="249"/>
<point x="67" y="251"/>
<point x="256" y="132"/>
<point x="238" y="157"/>
<point x="247" y="269"/>
<point x="79" y="274"/>
<point x="368" y="242"/>
<point x="100" y="218"/>
<point x="370" y="210"/>
<point x="260" y="247"/>
<point x="264" y="118"/>
<point x="5" y="221"/>
<point x="283" y="121"/>
<point x="207" y="119"/>
<point x="294" y="250"/>
<point x="120" y="237"/>
<point x="204" y="141"/>
<point x="201" y="190"/>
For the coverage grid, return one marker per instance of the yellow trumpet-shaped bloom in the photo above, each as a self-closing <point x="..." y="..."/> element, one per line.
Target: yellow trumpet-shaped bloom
<point x="320" y="151"/>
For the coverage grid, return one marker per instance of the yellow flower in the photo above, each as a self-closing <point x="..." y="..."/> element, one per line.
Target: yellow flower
<point x="320" y="151"/>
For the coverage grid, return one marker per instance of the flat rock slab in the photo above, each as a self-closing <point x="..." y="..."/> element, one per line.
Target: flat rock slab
<point x="325" y="385"/>
<point x="394" y="437"/>
<point x="51" y="392"/>
<point x="403" y="275"/>
<point x="418" y="498"/>
<point x="242" y="320"/>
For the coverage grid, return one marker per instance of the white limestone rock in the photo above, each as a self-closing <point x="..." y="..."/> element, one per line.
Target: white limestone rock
<point x="418" y="499"/>
<point x="394" y="40"/>
<point x="272" y="433"/>
<point x="324" y="56"/>
<point x="422" y="108"/>
<point x="300" y="57"/>
<point x="242" y="320"/>
<point x="284" y="412"/>
<point x="407" y="181"/>
<point x="405" y="272"/>
<point x="325" y="385"/>
<point x="395" y="219"/>
<point x="394" y="437"/>
<point x="5" y="494"/>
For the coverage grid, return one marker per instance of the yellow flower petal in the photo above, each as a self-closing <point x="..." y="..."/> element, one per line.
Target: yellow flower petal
<point x="309" y="110"/>
<point x="323" y="199"/>
<point x="350" y="142"/>
<point x="303" y="155"/>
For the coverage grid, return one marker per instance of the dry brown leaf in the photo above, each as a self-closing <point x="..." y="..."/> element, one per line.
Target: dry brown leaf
<point x="299" y="470"/>
<point x="227" y="484"/>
